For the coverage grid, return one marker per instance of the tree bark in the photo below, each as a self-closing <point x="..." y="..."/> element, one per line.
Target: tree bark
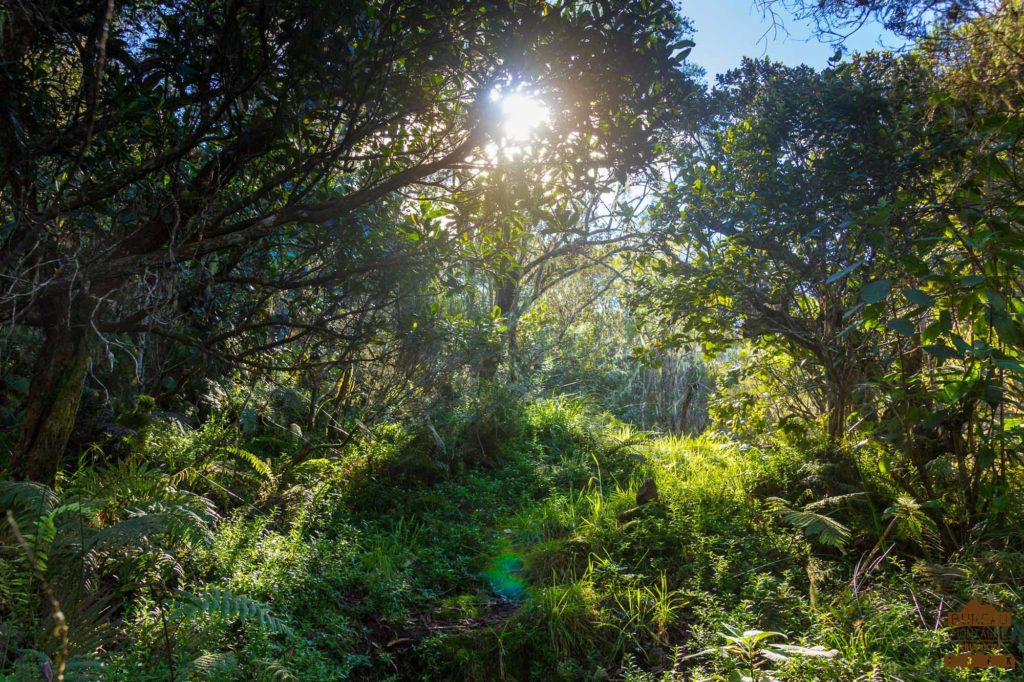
<point x="53" y="397"/>
<point x="838" y="411"/>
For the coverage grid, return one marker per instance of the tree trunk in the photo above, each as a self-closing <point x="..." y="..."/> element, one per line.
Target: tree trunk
<point x="841" y="381"/>
<point x="53" y="397"/>
<point x="838" y="411"/>
<point x="507" y="289"/>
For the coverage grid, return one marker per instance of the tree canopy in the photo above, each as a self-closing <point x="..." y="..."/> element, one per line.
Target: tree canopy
<point x="161" y="158"/>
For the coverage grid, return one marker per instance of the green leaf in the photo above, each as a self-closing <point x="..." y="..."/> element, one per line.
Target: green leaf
<point x="835" y="277"/>
<point x="942" y="352"/>
<point x="918" y="297"/>
<point x="955" y="390"/>
<point x="993" y="393"/>
<point x="901" y="325"/>
<point x="962" y="345"/>
<point x="1010" y="364"/>
<point x="997" y="302"/>
<point x="994" y="167"/>
<point x="986" y="457"/>
<point x="932" y="332"/>
<point x="875" y="291"/>
<point x="1009" y="332"/>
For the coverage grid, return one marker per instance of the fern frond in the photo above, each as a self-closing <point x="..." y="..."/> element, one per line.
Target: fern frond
<point x="208" y="665"/>
<point x="89" y="612"/>
<point x="168" y="562"/>
<point x="832" y="501"/>
<point x="824" y="529"/>
<point x="87" y="509"/>
<point x="229" y="605"/>
<point x="85" y="668"/>
<point x="257" y="464"/>
<point x="190" y="474"/>
<point x="820" y="527"/>
<point x="273" y="671"/>
<point x="175" y="521"/>
<point x="27" y="497"/>
<point x="912" y="523"/>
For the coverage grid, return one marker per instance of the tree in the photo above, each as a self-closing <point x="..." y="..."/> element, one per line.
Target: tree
<point x="837" y="20"/>
<point x="538" y="241"/>
<point x="865" y="222"/>
<point x="770" y="231"/>
<point x="951" y="398"/>
<point x="160" y="155"/>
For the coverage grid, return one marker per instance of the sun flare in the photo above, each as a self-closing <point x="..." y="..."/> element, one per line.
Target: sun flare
<point x="522" y="114"/>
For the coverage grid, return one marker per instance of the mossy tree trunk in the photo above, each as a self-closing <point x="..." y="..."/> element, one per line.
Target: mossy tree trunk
<point x="54" y="394"/>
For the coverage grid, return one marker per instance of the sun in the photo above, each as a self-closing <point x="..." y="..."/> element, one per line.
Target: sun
<point x="521" y="115"/>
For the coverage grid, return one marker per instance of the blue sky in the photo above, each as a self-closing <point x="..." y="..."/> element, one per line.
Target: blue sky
<point x="728" y="30"/>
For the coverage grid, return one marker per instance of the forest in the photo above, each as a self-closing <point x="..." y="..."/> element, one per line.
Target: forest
<point x="496" y="340"/>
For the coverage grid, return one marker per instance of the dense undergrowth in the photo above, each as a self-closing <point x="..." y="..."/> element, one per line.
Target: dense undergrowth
<point x="519" y="551"/>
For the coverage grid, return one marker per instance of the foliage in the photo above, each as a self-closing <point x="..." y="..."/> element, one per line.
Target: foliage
<point x="318" y="366"/>
<point x="250" y="160"/>
<point x="858" y="228"/>
<point x="599" y="584"/>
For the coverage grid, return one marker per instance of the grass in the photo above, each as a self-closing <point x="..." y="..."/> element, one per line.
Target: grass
<point x="533" y="561"/>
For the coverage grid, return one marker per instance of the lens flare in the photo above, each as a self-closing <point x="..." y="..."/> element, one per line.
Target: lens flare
<point x="522" y="114"/>
<point x="503" y="576"/>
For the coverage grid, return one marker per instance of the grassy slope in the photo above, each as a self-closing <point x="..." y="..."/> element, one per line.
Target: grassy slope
<point x="528" y="559"/>
<point x="521" y="554"/>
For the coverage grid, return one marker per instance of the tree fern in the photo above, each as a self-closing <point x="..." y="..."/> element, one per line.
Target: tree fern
<point x="160" y="518"/>
<point x="27" y="497"/>
<point x="832" y="500"/>
<point x="37" y="511"/>
<point x="912" y="523"/>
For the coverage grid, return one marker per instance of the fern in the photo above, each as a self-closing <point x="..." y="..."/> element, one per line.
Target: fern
<point x="273" y="671"/>
<point x="26" y="497"/>
<point x="257" y="464"/>
<point x="228" y="605"/>
<point x="824" y="529"/>
<point x="36" y="511"/>
<point x="912" y="523"/>
<point x="207" y="666"/>
<point x="190" y="474"/>
<point x="173" y="520"/>
<point x="832" y="501"/>
<point x="819" y="527"/>
<point x="85" y="667"/>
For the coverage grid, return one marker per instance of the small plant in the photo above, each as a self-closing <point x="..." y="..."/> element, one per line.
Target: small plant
<point x="568" y="616"/>
<point x="816" y="526"/>
<point x="752" y="650"/>
<point x="649" y="610"/>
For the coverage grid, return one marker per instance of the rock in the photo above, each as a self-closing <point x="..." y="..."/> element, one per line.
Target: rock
<point x="647" y="492"/>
